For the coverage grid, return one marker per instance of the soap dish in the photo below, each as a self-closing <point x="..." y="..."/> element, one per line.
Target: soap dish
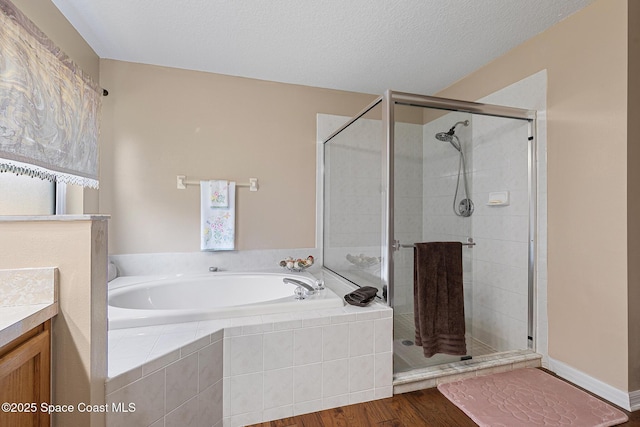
<point x="498" y="198"/>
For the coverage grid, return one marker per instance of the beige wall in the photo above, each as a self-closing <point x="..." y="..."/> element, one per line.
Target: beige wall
<point x="162" y="122"/>
<point x="633" y="194"/>
<point x="586" y="60"/>
<point x="79" y="333"/>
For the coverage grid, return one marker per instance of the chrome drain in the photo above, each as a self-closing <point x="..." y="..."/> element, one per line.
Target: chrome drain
<point x="407" y="342"/>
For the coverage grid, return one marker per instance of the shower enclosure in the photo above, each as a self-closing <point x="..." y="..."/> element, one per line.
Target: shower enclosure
<point x="413" y="168"/>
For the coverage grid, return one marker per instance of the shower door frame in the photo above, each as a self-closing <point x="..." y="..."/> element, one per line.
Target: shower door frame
<point x="389" y="247"/>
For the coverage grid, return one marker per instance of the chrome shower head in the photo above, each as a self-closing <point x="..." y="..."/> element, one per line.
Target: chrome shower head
<point x="444" y="136"/>
<point x="450" y="136"/>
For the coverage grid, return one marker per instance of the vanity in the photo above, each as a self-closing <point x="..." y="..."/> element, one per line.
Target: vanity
<point x="28" y="302"/>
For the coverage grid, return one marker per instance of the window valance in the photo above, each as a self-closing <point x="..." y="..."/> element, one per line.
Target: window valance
<point x="49" y="108"/>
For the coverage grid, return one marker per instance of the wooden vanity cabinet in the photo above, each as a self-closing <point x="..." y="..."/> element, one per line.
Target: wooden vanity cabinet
<point x="25" y="378"/>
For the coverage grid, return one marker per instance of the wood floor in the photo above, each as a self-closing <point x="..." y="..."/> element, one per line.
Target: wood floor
<point x="427" y="408"/>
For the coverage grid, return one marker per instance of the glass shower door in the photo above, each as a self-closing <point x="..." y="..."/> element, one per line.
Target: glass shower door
<point x="463" y="177"/>
<point x="432" y="202"/>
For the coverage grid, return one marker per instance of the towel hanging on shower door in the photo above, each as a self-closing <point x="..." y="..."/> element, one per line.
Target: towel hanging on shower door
<point x="438" y="298"/>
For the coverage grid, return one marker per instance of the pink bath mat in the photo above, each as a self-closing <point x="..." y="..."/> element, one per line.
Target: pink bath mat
<point x="528" y="397"/>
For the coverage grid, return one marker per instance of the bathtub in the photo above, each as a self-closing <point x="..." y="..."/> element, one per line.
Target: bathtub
<point x="145" y="301"/>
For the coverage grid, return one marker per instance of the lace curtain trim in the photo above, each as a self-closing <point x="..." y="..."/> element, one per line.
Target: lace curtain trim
<point x="34" y="171"/>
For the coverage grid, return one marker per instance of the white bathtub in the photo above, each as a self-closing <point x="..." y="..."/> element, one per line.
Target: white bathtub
<point x="144" y="301"/>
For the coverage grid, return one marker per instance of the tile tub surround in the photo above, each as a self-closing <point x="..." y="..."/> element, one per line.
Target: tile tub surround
<point x="29" y="297"/>
<point x="246" y="370"/>
<point x="199" y="262"/>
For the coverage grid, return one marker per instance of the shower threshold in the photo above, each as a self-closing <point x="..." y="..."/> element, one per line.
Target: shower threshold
<point x="430" y="377"/>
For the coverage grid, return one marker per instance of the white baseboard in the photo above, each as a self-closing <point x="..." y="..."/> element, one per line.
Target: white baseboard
<point x="634" y="400"/>
<point x="629" y="401"/>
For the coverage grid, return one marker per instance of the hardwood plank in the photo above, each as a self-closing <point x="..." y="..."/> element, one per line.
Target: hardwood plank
<point x="436" y="410"/>
<point x="335" y="417"/>
<point x="285" y="422"/>
<point x="380" y="411"/>
<point x="404" y="413"/>
<point x="361" y="415"/>
<point x="312" y="420"/>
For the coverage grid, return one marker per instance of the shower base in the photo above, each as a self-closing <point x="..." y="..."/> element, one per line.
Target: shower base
<point x="408" y="357"/>
<point x="413" y="371"/>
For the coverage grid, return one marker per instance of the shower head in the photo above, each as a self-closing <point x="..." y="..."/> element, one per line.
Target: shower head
<point x="450" y="136"/>
<point x="444" y="136"/>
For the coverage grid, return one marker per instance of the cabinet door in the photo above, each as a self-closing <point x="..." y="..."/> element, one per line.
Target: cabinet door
<point x="25" y="379"/>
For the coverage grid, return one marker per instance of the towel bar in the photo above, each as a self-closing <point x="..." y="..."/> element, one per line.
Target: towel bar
<point x="183" y="182"/>
<point x="396" y="245"/>
<point x="413" y="246"/>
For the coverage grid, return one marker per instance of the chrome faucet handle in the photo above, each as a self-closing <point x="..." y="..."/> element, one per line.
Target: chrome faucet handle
<point x="213" y="269"/>
<point x="300" y="292"/>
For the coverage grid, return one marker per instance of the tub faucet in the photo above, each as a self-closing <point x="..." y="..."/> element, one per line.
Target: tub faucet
<point x="213" y="269"/>
<point x="300" y="294"/>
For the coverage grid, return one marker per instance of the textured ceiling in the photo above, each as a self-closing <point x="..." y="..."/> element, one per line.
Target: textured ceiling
<point x="418" y="46"/>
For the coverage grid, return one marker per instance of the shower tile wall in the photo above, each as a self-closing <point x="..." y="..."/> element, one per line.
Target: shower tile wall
<point x="500" y="257"/>
<point x="531" y="93"/>
<point x="440" y="172"/>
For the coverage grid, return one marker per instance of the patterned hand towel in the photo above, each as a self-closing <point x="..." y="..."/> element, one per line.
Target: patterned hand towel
<point x="218" y="225"/>
<point x="219" y="193"/>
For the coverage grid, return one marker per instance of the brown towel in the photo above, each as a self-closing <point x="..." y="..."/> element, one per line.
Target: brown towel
<point x="362" y="296"/>
<point x="438" y="300"/>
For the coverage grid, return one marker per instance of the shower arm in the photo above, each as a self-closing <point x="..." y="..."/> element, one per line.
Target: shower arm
<point x="453" y="128"/>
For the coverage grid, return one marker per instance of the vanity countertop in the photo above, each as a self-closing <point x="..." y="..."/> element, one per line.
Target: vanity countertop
<point x="28" y="297"/>
<point x="24" y="218"/>
<point x="15" y="321"/>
